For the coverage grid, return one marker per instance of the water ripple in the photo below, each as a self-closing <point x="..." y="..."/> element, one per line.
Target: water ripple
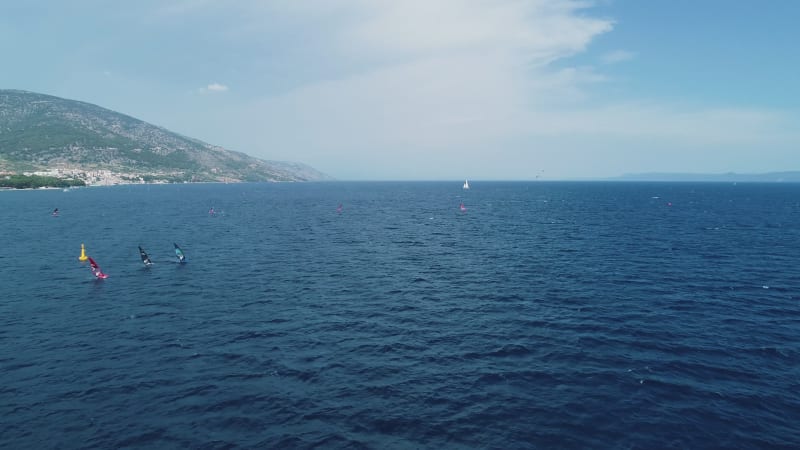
<point x="550" y="315"/>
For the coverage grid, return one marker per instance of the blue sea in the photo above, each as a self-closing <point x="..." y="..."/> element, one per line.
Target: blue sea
<point x="547" y="315"/>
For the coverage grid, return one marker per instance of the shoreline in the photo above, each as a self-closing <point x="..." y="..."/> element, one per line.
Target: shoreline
<point x="53" y="188"/>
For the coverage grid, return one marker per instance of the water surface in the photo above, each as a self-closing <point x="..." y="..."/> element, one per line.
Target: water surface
<point x="548" y="315"/>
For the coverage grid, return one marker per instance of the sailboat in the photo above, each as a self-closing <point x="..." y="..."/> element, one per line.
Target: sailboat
<point x="145" y="259"/>
<point x="96" y="269"/>
<point x="179" y="253"/>
<point x="466" y="184"/>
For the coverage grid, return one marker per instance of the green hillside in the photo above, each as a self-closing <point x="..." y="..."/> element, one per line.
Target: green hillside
<point x="43" y="132"/>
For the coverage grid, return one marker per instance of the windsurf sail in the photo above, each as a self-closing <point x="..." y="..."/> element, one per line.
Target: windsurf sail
<point x="462" y="207"/>
<point x="179" y="253"/>
<point x="339" y="208"/>
<point x="466" y="184"/>
<point x="145" y="259"/>
<point x="96" y="269"/>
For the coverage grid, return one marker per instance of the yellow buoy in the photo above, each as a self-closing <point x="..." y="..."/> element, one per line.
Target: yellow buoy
<point x="83" y="254"/>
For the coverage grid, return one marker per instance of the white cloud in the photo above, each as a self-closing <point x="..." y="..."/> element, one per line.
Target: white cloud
<point x="538" y="31"/>
<point x="216" y="87"/>
<point x="441" y="72"/>
<point x="213" y="87"/>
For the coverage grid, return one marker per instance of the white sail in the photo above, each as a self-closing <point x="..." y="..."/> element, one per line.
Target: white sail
<point x="466" y="184"/>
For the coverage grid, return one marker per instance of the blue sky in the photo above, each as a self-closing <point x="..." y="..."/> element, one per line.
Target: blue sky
<point x="445" y="89"/>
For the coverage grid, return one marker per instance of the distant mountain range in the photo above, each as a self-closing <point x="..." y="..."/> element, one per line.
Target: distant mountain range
<point x="42" y="133"/>
<point x="771" y="177"/>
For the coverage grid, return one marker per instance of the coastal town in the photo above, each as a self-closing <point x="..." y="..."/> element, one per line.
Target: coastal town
<point x="106" y="177"/>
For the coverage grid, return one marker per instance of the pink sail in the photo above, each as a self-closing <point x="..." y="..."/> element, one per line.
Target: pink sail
<point x="96" y="269"/>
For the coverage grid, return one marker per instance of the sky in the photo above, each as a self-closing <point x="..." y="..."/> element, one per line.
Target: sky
<point x="435" y="89"/>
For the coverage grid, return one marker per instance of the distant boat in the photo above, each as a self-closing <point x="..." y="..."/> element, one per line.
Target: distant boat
<point x="145" y="259"/>
<point x="466" y="184"/>
<point x="179" y="253"/>
<point x="96" y="269"/>
<point x="339" y="208"/>
<point x="462" y="207"/>
<point x="55" y="212"/>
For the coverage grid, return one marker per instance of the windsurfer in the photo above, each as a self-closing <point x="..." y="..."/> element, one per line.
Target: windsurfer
<point x="145" y="259"/>
<point x="179" y="253"/>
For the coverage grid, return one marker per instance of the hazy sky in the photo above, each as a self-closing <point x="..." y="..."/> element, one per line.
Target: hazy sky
<point x="435" y="89"/>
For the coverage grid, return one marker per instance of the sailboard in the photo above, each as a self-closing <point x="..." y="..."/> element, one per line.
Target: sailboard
<point x="96" y="269"/>
<point x="145" y="259"/>
<point x="462" y="207"/>
<point x="179" y="253"/>
<point x="466" y="184"/>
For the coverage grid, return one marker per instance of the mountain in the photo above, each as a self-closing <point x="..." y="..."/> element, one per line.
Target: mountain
<point x="41" y="132"/>
<point x="771" y="177"/>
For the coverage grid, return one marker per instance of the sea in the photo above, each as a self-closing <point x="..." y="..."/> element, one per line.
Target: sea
<point x="379" y="315"/>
